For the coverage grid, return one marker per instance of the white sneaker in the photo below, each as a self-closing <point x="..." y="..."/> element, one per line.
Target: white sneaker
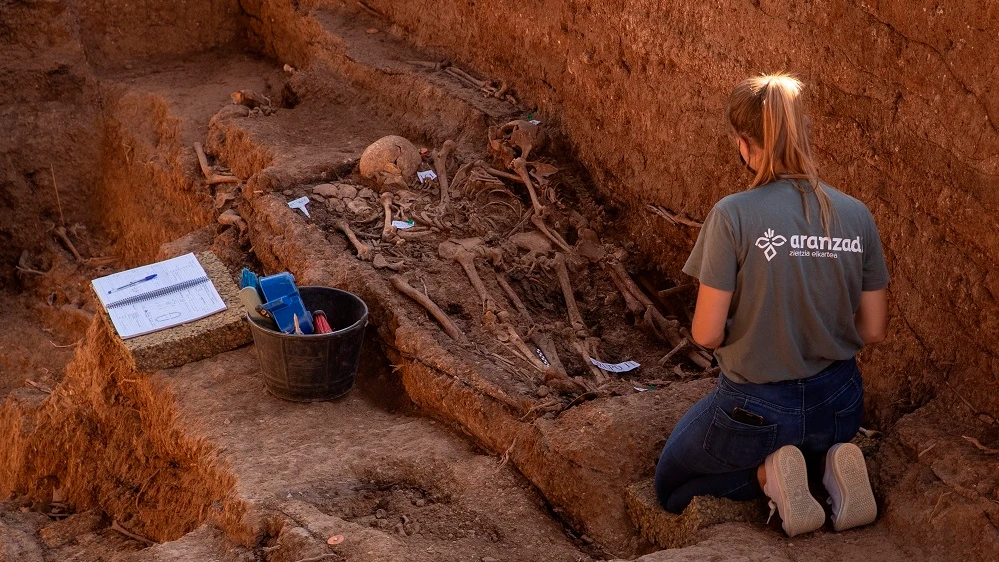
<point x="787" y="487"/>
<point x="849" y="487"/>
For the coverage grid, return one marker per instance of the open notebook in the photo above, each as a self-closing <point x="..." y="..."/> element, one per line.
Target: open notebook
<point x="158" y="296"/>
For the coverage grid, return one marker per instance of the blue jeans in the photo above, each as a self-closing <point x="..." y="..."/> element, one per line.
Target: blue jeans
<point x="710" y="453"/>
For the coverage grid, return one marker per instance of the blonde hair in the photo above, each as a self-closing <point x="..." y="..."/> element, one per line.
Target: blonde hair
<point x="768" y="110"/>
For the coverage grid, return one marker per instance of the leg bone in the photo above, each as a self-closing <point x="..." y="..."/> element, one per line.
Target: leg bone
<point x="520" y="166"/>
<point x="440" y="164"/>
<point x="364" y="251"/>
<point x="445" y="321"/>
<point x="575" y="318"/>
<point x="389" y="232"/>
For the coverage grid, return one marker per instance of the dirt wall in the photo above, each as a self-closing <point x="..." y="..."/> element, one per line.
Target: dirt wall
<point x="111" y="438"/>
<point x="46" y="117"/>
<point x="112" y="31"/>
<point x="901" y="116"/>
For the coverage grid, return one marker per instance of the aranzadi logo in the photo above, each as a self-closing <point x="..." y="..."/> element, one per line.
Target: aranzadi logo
<point x="767" y="243"/>
<point x="803" y="245"/>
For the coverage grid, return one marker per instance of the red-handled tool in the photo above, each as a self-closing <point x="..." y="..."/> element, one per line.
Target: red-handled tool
<point x="322" y="325"/>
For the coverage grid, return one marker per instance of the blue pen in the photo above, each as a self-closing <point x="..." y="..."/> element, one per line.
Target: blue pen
<point x="143" y="280"/>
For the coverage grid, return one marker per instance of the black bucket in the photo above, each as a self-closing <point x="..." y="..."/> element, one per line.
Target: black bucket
<point x="314" y="367"/>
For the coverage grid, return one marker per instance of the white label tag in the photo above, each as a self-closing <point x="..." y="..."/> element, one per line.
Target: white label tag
<point x="427" y="175"/>
<point x="541" y="356"/>
<point x="300" y="203"/>
<point x="616" y="367"/>
<point x="534" y="122"/>
<point x="403" y="225"/>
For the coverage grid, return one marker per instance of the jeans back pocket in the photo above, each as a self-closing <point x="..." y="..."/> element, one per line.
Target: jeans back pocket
<point x="737" y="445"/>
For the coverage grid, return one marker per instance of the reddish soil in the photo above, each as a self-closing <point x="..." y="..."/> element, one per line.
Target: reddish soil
<point x="447" y="451"/>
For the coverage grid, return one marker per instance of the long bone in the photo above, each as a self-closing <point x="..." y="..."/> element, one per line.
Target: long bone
<point x="364" y="251"/>
<point x="556" y="374"/>
<point x="668" y="328"/>
<point x="520" y="166"/>
<point x="538" y="222"/>
<point x="445" y="321"/>
<point x="510" y="332"/>
<point x="634" y="307"/>
<point x="389" y="232"/>
<point x="575" y="318"/>
<point x="581" y="342"/>
<point x="454" y="251"/>
<point x="440" y="165"/>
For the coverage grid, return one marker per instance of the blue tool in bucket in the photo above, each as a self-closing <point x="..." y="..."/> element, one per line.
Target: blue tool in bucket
<point x="282" y="301"/>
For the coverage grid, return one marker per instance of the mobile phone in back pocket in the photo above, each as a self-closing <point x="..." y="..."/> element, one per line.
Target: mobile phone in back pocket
<point x="745" y="416"/>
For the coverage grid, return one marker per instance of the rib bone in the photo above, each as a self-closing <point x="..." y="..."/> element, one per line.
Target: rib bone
<point x="445" y="321"/>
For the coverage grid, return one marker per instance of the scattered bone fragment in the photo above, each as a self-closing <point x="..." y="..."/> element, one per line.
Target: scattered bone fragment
<point x="364" y="251"/>
<point x="461" y="74"/>
<point x="211" y="177"/>
<point x="423" y="300"/>
<point x="327" y="190"/>
<point x="440" y="165"/>
<point x="250" y="99"/>
<point x="391" y="161"/>
<point x="346" y="191"/>
<point x="589" y="245"/>
<point x="232" y="218"/>
<point x="536" y="244"/>
<point x="60" y="232"/>
<point x="425" y="64"/>
<point x="673" y="217"/>
<point x="380" y="262"/>
<point x="870" y="433"/>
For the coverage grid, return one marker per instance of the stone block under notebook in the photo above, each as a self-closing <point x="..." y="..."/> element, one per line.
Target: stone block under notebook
<point x="668" y="530"/>
<point x="211" y="335"/>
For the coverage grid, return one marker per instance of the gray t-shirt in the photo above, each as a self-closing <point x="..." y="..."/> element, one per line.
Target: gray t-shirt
<point x="795" y="291"/>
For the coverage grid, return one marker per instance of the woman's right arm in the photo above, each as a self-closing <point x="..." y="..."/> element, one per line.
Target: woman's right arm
<point x="871" y="319"/>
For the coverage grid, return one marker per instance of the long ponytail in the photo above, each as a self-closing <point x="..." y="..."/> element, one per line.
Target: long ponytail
<point x="768" y="110"/>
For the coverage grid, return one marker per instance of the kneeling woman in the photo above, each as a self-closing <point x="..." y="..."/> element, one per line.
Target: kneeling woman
<point x="786" y="308"/>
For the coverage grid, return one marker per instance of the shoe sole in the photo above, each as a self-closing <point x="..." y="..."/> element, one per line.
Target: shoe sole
<point x="847" y="470"/>
<point x="801" y="513"/>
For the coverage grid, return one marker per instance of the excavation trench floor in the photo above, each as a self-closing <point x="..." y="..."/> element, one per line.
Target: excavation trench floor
<point x="368" y="460"/>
